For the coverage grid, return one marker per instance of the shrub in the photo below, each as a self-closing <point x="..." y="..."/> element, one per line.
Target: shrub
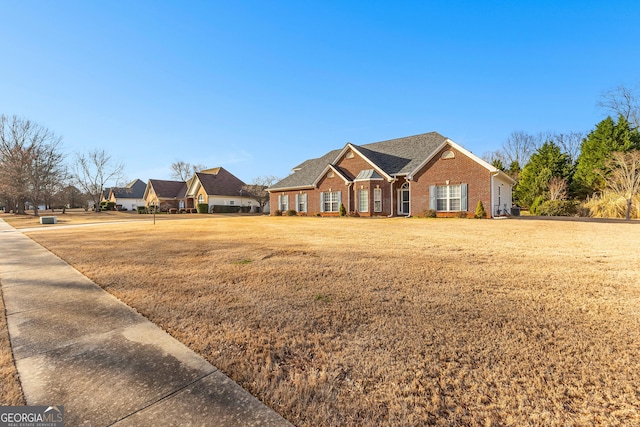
<point x="142" y="209"/>
<point x="292" y="212"/>
<point x="557" y="208"/>
<point x="533" y="209"/>
<point x="203" y="208"/>
<point x="480" y="212"/>
<point x="278" y="212"/>
<point x="343" y="210"/>
<point x="430" y="213"/>
<point x="462" y="214"/>
<point x="174" y="210"/>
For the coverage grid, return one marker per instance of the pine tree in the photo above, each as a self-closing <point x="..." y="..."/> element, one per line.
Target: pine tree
<point x="547" y="162"/>
<point x="596" y="150"/>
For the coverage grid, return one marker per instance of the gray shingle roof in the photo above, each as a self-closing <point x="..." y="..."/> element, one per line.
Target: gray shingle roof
<point x="133" y="190"/>
<point x="395" y="157"/>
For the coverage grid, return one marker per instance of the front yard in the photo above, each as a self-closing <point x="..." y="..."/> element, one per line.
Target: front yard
<point x="352" y="321"/>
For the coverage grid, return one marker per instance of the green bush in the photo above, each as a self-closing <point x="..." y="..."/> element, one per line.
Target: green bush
<point x="225" y="209"/>
<point x="142" y="209"/>
<point x="343" y="210"/>
<point x="533" y="209"/>
<point x="203" y="207"/>
<point x="480" y="212"/>
<point x="558" y="208"/>
<point x="278" y="212"/>
<point x="292" y="212"/>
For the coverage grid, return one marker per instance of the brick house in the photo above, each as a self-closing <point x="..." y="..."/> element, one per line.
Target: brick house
<point x="219" y="187"/>
<point x="215" y="187"/>
<point x="400" y="177"/>
<point x="167" y="194"/>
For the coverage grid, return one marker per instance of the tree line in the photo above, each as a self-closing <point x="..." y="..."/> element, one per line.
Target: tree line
<point x="35" y="171"/>
<point x="555" y="173"/>
<point x="597" y="174"/>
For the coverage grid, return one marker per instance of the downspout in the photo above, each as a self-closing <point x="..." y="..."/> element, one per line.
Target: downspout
<point x="408" y="179"/>
<point x="391" y="192"/>
<point x="493" y="174"/>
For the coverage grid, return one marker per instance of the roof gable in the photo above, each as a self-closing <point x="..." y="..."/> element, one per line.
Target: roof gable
<point x="395" y="157"/>
<point x="217" y="182"/>
<point x="134" y="190"/>
<point x="168" y="189"/>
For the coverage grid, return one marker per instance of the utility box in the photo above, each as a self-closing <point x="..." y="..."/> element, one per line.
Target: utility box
<point x="515" y="210"/>
<point x="48" y="220"/>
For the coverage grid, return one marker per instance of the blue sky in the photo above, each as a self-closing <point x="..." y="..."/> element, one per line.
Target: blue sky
<point x="258" y="87"/>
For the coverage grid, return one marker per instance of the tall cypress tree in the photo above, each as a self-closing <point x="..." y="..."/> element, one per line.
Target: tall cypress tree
<point x="596" y="149"/>
<point x="547" y="162"/>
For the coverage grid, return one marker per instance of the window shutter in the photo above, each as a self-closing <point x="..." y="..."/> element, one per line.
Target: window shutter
<point x="296" y="207"/>
<point x="322" y="202"/>
<point x="432" y="197"/>
<point x="339" y="198"/>
<point x="279" y="201"/>
<point x="463" y="197"/>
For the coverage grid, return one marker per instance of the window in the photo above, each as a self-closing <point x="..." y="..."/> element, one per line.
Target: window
<point x="301" y="202"/>
<point x="363" y="200"/>
<point x="330" y="201"/>
<point x="283" y="202"/>
<point x="449" y="198"/>
<point x="232" y="202"/>
<point x="201" y="198"/>
<point x="377" y="199"/>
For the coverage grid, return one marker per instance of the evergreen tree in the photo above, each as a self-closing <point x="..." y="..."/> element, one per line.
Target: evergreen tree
<point x="547" y="162"/>
<point x="596" y="150"/>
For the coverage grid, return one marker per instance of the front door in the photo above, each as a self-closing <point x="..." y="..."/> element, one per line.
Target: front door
<point x="403" y="199"/>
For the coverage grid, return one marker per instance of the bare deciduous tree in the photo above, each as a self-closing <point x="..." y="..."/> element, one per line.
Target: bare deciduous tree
<point x="570" y="143"/>
<point x="624" y="178"/>
<point x="258" y="189"/>
<point x="31" y="162"/>
<point x="518" y="148"/>
<point x="182" y="171"/>
<point x="92" y="171"/>
<point x="623" y="100"/>
<point x="557" y="188"/>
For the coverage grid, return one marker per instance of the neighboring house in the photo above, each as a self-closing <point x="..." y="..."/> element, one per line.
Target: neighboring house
<point x="215" y="187"/>
<point x="219" y="187"/>
<point x="166" y="194"/>
<point x="128" y="197"/>
<point x="400" y="177"/>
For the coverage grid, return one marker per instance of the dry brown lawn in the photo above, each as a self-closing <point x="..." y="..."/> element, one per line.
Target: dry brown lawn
<point x="10" y="390"/>
<point x="350" y="321"/>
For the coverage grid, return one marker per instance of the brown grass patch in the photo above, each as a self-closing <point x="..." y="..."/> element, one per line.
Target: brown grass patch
<point x="392" y="321"/>
<point x="10" y="389"/>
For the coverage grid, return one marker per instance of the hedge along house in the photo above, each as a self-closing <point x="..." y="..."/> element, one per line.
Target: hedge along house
<point x="400" y="177"/>
<point x="221" y="190"/>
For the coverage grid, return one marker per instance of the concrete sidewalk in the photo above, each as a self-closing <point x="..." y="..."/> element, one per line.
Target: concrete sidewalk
<point x="76" y="345"/>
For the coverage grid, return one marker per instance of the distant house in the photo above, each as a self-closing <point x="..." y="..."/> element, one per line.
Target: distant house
<point x="399" y="177"/>
<point x="166" y="194"/>
<point x="214" y="187"/>
<point x="129" y="197"/>
<point x="219" y="187"/>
